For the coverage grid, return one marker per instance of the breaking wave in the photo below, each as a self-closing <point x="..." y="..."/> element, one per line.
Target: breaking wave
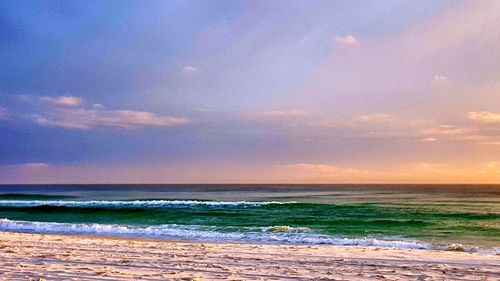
<point x="136" y="203"/>
<point x="276" y="234"/>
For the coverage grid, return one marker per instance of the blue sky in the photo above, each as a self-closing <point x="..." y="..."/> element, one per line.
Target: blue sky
<point x="249" y="91"/>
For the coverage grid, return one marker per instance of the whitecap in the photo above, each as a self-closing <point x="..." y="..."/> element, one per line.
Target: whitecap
<point x="203" y="233"/>
<point x="136" y="203"/>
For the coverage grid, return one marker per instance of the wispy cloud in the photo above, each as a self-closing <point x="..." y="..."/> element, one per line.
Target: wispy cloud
<point x="449" y="130"/>
<point x="67" y="112"/>
<point x="374" y="118"/>
<point x="282" y="113"/>
<point x="37" y="165"/>
<point x="474" y="133"/>
<point x="3" y="113"/>
<point x="303" y="124"/>
<point x="324" y="173"/>
<point x="189" y="69"/>
<point x="429" y="139"/>
<point x="395" y="173"/>
<point x="484" y="117"/>
<point x="492" y="143"/>
<point x="69" y="101"/>
<point x="440" y="78"/>
<point x="346" y="40"/>
<point x="81" y="118"/>
<point x="325" y="169"/>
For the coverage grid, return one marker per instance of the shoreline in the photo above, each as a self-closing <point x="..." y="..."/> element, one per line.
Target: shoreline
<point x="446" y="247"/>
<point x="81" y="257"/>
<point x="369" y="241"/>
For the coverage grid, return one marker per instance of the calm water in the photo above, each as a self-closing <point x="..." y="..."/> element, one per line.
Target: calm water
<point x="407" y="216"/>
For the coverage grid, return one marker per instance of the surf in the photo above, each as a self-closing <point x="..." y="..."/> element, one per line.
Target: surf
<point x="274" y="234"/>
<point x="136" y="203"/>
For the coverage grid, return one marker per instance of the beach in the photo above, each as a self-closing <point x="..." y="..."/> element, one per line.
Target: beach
<point x="250" y="140"/>
<point x="69" y="257"/>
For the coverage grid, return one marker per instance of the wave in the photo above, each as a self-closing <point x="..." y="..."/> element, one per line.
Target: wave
<point x="286" y="228"/>
<point x="136" y="203"/>
<point x="286" y="235"/>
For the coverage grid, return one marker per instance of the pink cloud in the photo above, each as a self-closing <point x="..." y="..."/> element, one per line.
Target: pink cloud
<point x="3" y="113"/>
<point x="346" y="40"/>
<point x="282" y="113"/>
<point x="81" y="118"/>
<point x="69" y="101"/>
<point x="484" y="117"/>
<point x="374" y="118"/>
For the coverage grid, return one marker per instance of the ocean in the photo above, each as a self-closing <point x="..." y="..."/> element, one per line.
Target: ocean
<point x="403" y="216"/>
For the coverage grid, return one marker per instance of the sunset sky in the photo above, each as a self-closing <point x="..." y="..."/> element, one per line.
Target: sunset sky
<point x="250" y="91"/>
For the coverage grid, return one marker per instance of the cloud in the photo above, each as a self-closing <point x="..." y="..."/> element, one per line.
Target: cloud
<point x="437" y="172"/>
<point x="320" y="172"/>
<point x="429" y="139"/>
<point x="492" y="143"/>
<point x="189" y="69"/>
<point x="69" y="112"/>
<point x="69" y="101"/>
<point x="440" y="78"/>
<point x="97" y="106"/>
<point x="81" y="118"/>
<point x="304" y="124"/>
<point x="397" y="70"/>
<point x="3" y="113"/>
<point x="72" y="116"/>
<point x="478" y="135"/>
<point x="321" y="168"/>
<point x="282" y="113"/>
<point x="484" y="117"/>
<point x="346" y="40"/>
<point x="38" y="165"/>
<point x="374" y="118"/>
<point x="449" y="130"/>
<point x="421" y="172"/>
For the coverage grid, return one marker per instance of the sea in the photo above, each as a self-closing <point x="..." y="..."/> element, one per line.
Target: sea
<point x="443" y="217"/>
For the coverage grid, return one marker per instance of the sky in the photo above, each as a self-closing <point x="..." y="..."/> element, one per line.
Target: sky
<point x="235" y="91"/>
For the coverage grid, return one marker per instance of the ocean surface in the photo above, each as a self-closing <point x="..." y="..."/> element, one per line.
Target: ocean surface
<point x="404" y="216"/>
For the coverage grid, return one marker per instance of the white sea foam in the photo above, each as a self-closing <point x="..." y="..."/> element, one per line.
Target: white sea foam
<point x="286" y="228"/>
<point x="491" y="251"/>
<point x="204" y="233"/>
<point x="135" y="203"/>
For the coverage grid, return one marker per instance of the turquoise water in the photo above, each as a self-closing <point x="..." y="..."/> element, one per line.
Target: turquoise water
<point x="406" y="216"/>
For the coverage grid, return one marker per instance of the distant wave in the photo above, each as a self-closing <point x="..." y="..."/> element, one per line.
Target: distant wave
<point x="35" y="196"/>
<point x="135" y="203"/>
<point x="276" y="234"/>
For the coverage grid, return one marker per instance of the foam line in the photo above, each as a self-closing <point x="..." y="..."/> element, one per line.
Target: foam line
<point x="135" y="203"/>
<point x="205" y="233"/>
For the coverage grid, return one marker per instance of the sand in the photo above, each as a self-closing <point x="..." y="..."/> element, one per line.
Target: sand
<point x="66" y="257"/>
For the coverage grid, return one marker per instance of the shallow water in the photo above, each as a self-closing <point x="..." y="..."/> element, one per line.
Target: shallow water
<point x="407" y="216"/>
